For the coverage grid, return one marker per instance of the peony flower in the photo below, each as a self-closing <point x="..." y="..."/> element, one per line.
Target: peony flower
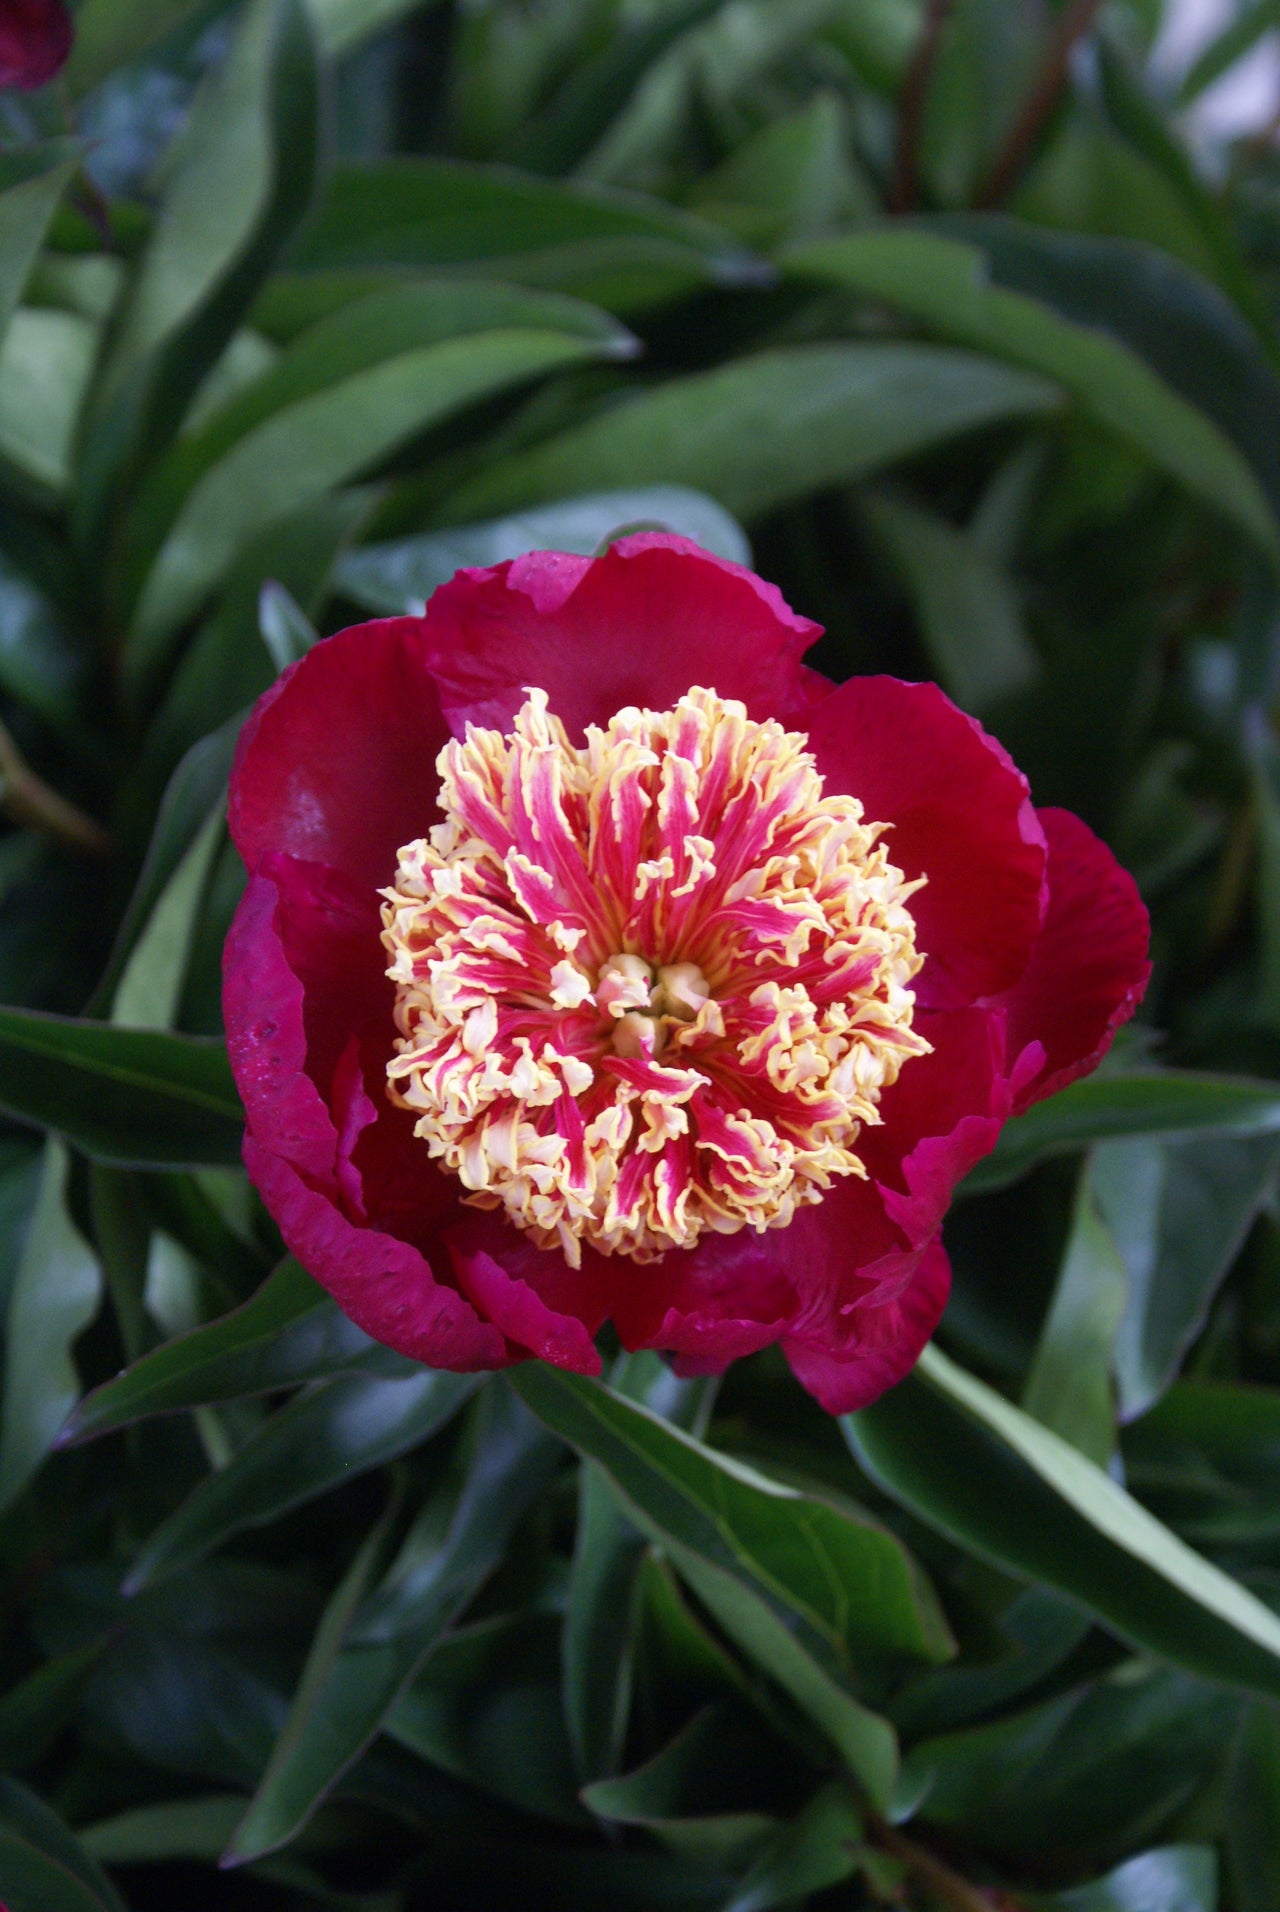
<point x="600" y="962"/>
<point x="35" y="39"/>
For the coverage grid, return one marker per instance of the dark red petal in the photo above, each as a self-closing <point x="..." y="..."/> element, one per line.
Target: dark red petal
<point x="942" y="1115"/>
<point x="886" y="1340"/>
<point x="263" y="1009"/>
<point x="727" y="1297"/>
<point x="1089" y="967"/>
<point x="35" y="39"/>
<point x="960" y="816"/>
<point x="337" y="763"/>
<point x="386" y="1286"/>
<point x="516" y="1308"/>
<point x="638" y="625"/>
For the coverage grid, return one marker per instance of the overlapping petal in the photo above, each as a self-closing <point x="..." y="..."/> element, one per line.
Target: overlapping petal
<point x="636" y="626"/>
<point x="1034" y="938"/>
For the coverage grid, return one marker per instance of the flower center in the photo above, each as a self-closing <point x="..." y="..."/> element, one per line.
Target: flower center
<point x="650" y="986"/>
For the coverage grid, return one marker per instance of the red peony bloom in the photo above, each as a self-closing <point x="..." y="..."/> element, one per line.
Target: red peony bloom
<point x="35" y="39"/>
<point x="601" y="962"/>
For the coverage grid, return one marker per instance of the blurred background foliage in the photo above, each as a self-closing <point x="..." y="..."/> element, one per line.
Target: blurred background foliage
<point x="967" y="317"/>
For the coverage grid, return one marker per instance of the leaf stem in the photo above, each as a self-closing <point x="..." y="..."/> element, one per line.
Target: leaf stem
<point x="28" y="800"/>
<point x="911" y="104"/>
<point x="1011" y="161"/>
<point x="946" y="1886"/>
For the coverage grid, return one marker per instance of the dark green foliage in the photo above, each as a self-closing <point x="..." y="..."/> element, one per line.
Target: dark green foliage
<point x="977" y="348"/>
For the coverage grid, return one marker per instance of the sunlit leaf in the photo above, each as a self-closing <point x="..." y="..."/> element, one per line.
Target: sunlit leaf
<point x="970" y="1463"/>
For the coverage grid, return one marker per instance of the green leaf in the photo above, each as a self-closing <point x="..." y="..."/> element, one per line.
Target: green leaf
<point x="331" y="1434"/>
<point x="1184" y="326"/>
<point x="1069" y="1386"/>
<point x="45" y="364"/>
<point x="718" y="57"/>
<point x="1038" y="1630"/>
<point x="1082" y="1774"/>
<point x="607" y="1556"/>
<point x="35" y="1710"/>
<point x="150" y="986"/>
<point x="619" y="249"/>
<point x="342" y="25"/>
<point x="43" y="1867"/>
<point x="1207" y="1460"/>
<point x="1253" y="1811"/>
<point x="819" y="1848"/>
<point x="112" y="33"/>
<point x="369" y="1649"/>
<point x="1178" y="1214"/>
<point x="944" y="284"/>
<point x="42" y="665"/>
<point x="846" y="1582"/>
<point x="173" y="1829"/>
<point x="607" y="1553"/>
<point x="287" y="631"/>
<point x="770" y="428"/>
<point x="326" y="438"/>
<point x="1143" y="122"/>
<point x="608" y="89"/>
<point x="194" y="790"/>
<point x="487" y="1690"/>
<point x="794" y="177"/>
<point x="135" y="1097"/>
<point x="26" y="207"/>
<point x="56" y="1292"/>
<point x="769" y="1638"/>
<point x="970" y="617"/>
<point x="808" y="1590"/>
<point x="290" y="1332"/>
<point x="1143" y="1103"/>
<point x="237" y="185"/>
<point x="399" y="577"/>
<point x="697" y="1793"/>
<point x="226" y="666"/>
<point x="1174" y="1878"/>
<point x="971" y="1464"/>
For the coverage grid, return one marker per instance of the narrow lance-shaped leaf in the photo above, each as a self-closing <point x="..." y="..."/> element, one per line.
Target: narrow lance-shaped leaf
<point x="1145" y="1102"/>
<point x="150" y="985"/>
<point x="325" y="439"/>
<point x="31" y="184"/>
<point x="1175" y="1878"/>
<point x="55" y="1294"/>
<point x="1178" y="1213"/>
<point x="239" y="182"/>
<point x="43" y="1866"/>
<point x="1253" y="1810"/>
<point x="617" y="248"/>
<point x="135" y="1097"/>
<point x="768" y="429"/>
<point x="366" y="1654"/>
<point x="1069" y="1386"/>
<point x="944" y="283"/>
<point x="194" y="790"/>
<point x="802" y="1587"/>
<point x="968" y="1462"/>
<point x="806" y="1553"/>
<point x="607" y="1553"/>
<point x="111" y="33"/>
<point x="967" y="606"/>
<point x="330" y="1435"/>
<point x="290" y="1332"/>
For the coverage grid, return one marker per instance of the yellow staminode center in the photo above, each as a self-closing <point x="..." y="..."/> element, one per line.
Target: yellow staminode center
<point x="648" y="986"/>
